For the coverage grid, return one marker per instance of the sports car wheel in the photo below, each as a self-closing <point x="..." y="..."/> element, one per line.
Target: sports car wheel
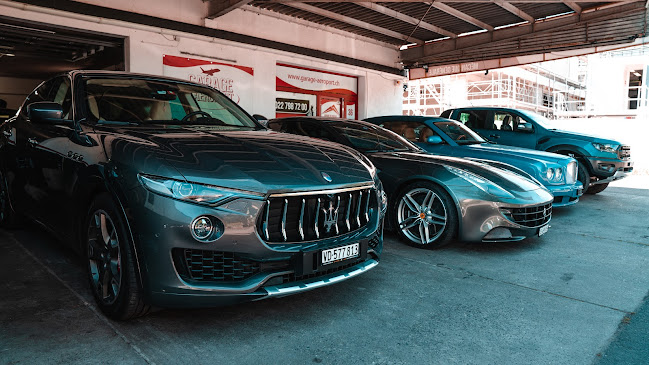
<point x="111" y="267"/>
<point x="425" y="216"/>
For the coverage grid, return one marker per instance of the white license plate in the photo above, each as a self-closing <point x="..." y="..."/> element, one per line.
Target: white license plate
<point x="340" y="253"/>
<point x="543" y="230"/>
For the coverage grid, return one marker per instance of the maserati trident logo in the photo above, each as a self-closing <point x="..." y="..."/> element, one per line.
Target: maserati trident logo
<point x="330" y="217"/>
<point x="326" y="177"/>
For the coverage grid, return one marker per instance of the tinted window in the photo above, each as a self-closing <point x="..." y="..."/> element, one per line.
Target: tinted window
<point x="41" y="93"/>
<point x="511" y="122"/>
<point x="303" y="128"/>
<point x="459" y="133"/>
<point x="412" y="131"/>
<point x="474" y="118"/>
<point x="367" y="138"/>
<point x="154" y="102"/>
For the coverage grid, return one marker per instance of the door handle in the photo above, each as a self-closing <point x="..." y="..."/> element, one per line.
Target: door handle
<point x="494" y="136"/>
<point x="6" y="133"/>
<point x="32" y="141"/>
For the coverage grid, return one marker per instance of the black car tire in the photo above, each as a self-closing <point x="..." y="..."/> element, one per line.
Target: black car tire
<point x="8" y="217"/>
<point x="583" y="175"/>
<point x="597" y="188"/>
<point x="439" y="213"/>
<point x="112" y="259"/>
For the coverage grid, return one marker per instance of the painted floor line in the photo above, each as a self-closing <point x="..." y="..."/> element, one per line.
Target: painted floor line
<point x="512" y="283"/>
<point x="88" y="305"/>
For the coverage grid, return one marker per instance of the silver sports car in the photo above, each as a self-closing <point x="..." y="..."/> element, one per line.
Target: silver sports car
<point x="435" y="199"/>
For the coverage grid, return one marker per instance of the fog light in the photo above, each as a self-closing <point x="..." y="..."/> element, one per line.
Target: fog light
<point x="202" y="228"/>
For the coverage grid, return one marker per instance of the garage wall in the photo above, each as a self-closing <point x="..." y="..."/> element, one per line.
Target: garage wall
<point x="14" y="90"/>
<point x="379" y="93"/>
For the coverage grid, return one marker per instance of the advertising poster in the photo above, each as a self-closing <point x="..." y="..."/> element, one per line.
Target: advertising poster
<point x="235" y="81"/>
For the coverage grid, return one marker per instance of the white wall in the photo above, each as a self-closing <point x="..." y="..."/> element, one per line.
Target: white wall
<point x="608" y="83"/>
<point x="14" y="90"/>
<point x="379" y="93"/>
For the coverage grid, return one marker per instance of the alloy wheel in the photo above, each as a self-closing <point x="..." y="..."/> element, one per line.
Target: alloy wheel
<point x="422" y="216"/>
<point x="105" y="258"/>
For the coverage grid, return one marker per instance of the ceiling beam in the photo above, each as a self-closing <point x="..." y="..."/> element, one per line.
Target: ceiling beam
<point x="460" y="15"/>
<point x="573" y="5"/>
<point x="434" y="50"/>
<point x="354" y="22"/>
<point x="514" y="10"/>
<point x="443" y="1"/>
<point x="406" y="18"/>
<point x="221" y="7"/>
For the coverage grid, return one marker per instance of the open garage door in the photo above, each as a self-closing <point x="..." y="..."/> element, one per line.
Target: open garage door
<point x="31" y="52"/>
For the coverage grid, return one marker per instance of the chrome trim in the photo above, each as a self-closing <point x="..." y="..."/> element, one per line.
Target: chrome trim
<point x="367" y="206"/>
<point x="266" y="220"/>
<point x="292" y="288"/>
<point x="322" y="192"/>
<point x="317" y="215"/>
<point x="337" y="208"/>
<point x="284" y="219"/>
<point x="358" y="208"/>
<point x="349" y="208"/>
<point x="301" y="222"/>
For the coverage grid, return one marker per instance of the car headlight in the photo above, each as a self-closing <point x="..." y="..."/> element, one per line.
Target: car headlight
<point x="571" y="172"/>
<point x="606" y="147"/>
<point x="182" y="190"/>
<point x="481" y="183"/>
<point x="554" y="174"/>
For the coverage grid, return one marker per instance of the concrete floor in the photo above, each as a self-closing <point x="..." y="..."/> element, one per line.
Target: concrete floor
<point x="568" y="297"/>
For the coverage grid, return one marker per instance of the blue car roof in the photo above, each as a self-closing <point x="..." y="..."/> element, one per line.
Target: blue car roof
<point x="404" y="118"/>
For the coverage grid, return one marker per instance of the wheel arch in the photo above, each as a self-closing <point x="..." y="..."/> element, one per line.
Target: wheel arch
<point x="95" y="184"/>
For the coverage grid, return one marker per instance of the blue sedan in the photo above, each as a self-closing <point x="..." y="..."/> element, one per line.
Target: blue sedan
<point x="447" y="137"/>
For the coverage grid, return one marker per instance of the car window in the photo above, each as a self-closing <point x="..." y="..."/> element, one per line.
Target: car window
<point x="303" y="128"/>
<point x="412" y="131"/>
<point x="143" y="101"/>
<point x="61" y="93"/>
<point x="504" y="121"/>
<point x="366" y="138"/>
<point x="459" y="132"/>
<point x="474" y="118"/>
<point x="523" y="126"/>
<point x="41" y="93"/>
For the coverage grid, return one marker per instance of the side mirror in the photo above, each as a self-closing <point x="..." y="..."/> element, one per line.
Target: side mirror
<point x="261" y="119"/>
<point x="525" y="128"/>
<point x="434" y="140"/>
<point x="45" y="112"/>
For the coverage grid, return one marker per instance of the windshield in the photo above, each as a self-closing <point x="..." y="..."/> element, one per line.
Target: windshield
<point x="368" y="138"/>
<point x="459" y="133"/>
<point x="543" y="121"/>
<point x="141" y="101"/>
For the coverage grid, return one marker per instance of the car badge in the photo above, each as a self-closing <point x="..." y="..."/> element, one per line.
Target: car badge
<point x="326" y="177"/>
<point x="330" y="217"/>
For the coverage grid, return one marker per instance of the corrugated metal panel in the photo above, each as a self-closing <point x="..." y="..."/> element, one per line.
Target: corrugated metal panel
<point x="287" y="10"/>
<point x="434" y="16"/>
<point x="491" y="14"/>
<point x="372" y="17"/>
<point x="542" y="10"/>
<point x="591" y="5"/>
<point x="602" y="32"/>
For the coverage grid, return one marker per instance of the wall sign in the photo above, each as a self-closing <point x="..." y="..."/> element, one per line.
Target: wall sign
<point x="293" y="106"/>
<point x="235" y="81"/>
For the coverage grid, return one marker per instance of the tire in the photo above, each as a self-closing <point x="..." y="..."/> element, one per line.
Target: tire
<point x="8" y="217"/>
<point x="111" y="263"/>
<point x="583" y="175"/>
<point x="423" y="207"/>
<point x="597" y="188"/>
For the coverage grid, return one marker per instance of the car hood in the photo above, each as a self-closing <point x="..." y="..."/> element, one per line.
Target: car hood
<point x="257" y="161"/>
<point x="582" y="136"/>
<point x="504" y="178"/>
<point x="513" y="155"/>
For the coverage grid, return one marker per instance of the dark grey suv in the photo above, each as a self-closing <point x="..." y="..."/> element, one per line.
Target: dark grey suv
<point x="177" y="197"/>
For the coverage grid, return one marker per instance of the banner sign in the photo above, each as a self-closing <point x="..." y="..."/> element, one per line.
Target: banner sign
<point x="303" y="79"/>
<point x="235" y="81"/>
<point x="292" y="106"/>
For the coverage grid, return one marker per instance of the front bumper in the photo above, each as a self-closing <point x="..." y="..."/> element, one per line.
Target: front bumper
<point x="607" y="170"/>
<point x="179" y="271"/>
<point x="565" y="195"/>
<point x="485" y="221"/>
